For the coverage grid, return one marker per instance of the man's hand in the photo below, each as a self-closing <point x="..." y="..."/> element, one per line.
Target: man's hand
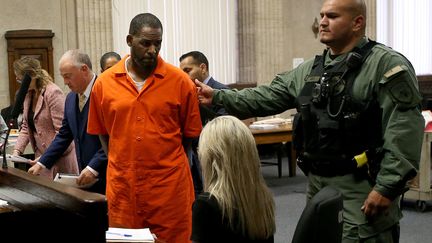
<point x="205" y="93"/>
<point x="86" y="177"/>
<point x="33" y="162"/>
<point x="375" y="204"/>
<point x="35" y="169"/>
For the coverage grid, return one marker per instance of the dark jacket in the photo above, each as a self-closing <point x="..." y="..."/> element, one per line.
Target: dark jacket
<point x="208" y="113"/>
<point x="88" y="147"/>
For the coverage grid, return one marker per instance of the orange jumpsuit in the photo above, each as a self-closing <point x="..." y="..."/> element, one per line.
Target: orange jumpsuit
<point x="148" y="177"/>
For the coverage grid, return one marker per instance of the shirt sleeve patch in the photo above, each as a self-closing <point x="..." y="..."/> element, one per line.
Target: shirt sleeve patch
<point x="402" y="92"/>
<point x="393" y="71"/>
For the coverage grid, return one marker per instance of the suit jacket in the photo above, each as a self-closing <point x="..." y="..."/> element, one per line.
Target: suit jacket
<point x="88" y="147"/>
<point x="47" y="118"/>
<point x="208" y="113"/>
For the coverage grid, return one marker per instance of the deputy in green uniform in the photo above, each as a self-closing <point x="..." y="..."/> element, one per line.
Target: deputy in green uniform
<point x="359" y="126"/>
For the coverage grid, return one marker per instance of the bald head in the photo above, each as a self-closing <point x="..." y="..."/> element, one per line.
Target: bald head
<point x="356" y="8"/>
<point x="353" y="7"/>
<point x="343" y="24"/>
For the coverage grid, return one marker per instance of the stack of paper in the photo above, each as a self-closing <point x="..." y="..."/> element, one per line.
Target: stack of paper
<point x="427" y="115"/>
<point x="274" y="121"/>
<point x="71" y="180"/>
<point x="3" y="203"/>
<point x="16" y="159"/>
<point x="129" y="235"/>
<point x="269" y="123"/>
<point x="263" y="126"/>
<point x="67" y="179"/>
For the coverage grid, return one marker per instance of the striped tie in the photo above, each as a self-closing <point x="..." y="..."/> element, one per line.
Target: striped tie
<point x="82" y="101"/>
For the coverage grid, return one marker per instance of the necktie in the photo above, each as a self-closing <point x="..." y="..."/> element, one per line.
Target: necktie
<point x="82" y="101"/>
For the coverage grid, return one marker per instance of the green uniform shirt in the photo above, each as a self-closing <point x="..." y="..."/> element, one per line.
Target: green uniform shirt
<point x="385" y="76"/>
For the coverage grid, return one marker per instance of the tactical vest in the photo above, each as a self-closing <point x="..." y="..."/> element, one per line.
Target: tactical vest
<point x="331" y="126"/>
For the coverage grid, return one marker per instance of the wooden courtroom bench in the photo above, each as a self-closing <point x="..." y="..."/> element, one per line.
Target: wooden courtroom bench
<point x="40" y="210"/>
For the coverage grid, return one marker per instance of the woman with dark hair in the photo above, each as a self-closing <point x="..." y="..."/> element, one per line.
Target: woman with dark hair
<point x="42" y="116"/>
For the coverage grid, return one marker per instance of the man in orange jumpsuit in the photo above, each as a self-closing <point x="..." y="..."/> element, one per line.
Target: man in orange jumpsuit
<point x="144" y="110"/>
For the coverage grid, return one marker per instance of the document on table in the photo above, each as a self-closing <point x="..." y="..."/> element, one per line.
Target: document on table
<point x="263" y="126"/>
<point x="3" y="203"/>
<point x="70" y="180"/>
<point x="129" y="235"/>
<point x="272" y="123"/>
<point x="67" y="179"/>
<point x="16" y="159"/>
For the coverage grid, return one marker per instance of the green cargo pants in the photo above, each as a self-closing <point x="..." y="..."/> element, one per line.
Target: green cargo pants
<point x="357" y="228"/>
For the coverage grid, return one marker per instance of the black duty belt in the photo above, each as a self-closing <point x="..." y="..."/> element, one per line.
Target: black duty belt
<point x="334" y="168"/>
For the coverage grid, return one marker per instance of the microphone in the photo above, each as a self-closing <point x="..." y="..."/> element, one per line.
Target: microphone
<point x="16" y="110"/>
<point x="19" y="99"/>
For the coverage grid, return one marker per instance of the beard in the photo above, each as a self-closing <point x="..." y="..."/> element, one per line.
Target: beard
<point x="145" y="63"/>
<point x="143" y="60"/>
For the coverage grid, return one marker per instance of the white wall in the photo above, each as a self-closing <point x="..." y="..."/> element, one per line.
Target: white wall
<point x="406" y="27"/>
<point x="23" y="14"/>
<point x="208" y="26"/>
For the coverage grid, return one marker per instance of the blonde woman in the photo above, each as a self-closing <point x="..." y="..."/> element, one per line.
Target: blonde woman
<point x="236" y="205"/>
<point x="42" y="116"/>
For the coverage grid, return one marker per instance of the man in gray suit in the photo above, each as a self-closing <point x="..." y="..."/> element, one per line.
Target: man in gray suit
<point x="196" y="65"/>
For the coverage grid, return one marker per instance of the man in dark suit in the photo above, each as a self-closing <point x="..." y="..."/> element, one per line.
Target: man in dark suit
<point x="196" y="65"/>
<point x="76" y="70"/>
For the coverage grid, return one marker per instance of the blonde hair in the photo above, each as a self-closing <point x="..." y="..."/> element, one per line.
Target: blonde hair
<point x="32" y="67"/>
<point x="231" y="172"/>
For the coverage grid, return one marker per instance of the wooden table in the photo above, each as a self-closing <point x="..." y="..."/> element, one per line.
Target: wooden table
<point x="282" y="134"/>
<point x="36" y="204"/>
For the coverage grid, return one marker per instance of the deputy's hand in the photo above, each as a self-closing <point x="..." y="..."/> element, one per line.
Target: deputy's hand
<point x="205" y="93"/>
<point x="35" y="169"/>
<point x="86" y="177"/>
<point x="375" y="204"/>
